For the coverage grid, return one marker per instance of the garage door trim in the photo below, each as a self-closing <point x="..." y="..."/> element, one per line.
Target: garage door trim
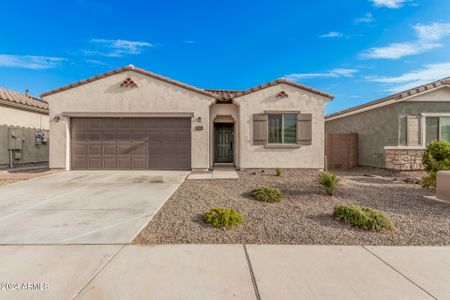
<point x="136" y="143"/>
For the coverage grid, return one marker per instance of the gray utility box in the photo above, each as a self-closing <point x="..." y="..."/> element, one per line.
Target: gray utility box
<point x="15" y="139"/>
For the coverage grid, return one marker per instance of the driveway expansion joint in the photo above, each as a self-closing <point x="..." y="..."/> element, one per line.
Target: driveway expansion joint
<point x="400" y="273"/>
<point x="252" y="274"/>
<point x="98" y="272"/>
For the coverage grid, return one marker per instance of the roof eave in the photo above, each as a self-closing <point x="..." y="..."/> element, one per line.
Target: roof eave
<point x="283" y="81"/>
<point x="128" y="68"/>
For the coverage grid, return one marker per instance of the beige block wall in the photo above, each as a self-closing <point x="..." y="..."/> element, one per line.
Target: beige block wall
<point x="106" y="96"/>
<point x="257" y="156"/>
<point x="23" y="118"/>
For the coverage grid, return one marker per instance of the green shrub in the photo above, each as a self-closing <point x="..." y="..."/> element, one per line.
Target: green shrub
<point x="222" y="217"/>
<point x="277" y="172"/>
<point x="267" y="194"/>
<point x="329" y="181"/>
<point x="363" y="217"/>
<point x="435" y="158"/>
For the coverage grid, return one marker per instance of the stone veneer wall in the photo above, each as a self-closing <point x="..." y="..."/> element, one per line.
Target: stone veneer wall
<point x="403" y="159"/>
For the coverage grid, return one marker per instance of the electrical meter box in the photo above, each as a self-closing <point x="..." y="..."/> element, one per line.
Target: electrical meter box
<point x="15" y="139"/>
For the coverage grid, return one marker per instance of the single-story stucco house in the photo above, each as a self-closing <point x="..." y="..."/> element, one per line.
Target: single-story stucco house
<point x="23" y="130"/>
<point x="130" y="118"/>
<point x="393" y="131"/>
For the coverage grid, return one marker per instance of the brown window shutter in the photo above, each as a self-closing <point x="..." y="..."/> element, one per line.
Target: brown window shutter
<point x="259" y="129"/>
<point x="304" y="129"/>
<point x="413" y="132"/>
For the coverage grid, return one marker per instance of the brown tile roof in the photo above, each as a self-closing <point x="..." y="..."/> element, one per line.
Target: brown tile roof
<point x="11" y="98"/>
<point x="224" y="96"/>
<point x="284" y="81"/>
<point x="229" y="95"/>
<point x="128" y="68"/>
<point x="398" y="96"/>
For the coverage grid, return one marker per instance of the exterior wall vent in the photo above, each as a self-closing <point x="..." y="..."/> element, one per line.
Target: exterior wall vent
<point x="128" y="83"/>
<point x="282" y="94"/>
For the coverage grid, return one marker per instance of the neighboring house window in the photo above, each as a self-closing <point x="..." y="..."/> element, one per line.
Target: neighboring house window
<point x="437" y="128"/>
<point x="282" y="129"/>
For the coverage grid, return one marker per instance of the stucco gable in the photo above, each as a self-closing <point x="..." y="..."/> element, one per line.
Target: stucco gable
<point x="438" y="95"/>
<point x="125" y="69"/>
<point x="410" y="94"/>
<point x="282" y="93"/>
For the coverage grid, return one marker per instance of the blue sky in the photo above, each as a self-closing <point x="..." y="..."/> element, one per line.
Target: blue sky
<point x="358" y="50"/>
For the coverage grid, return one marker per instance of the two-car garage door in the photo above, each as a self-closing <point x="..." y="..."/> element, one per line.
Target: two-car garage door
<point x="131" y="143"/>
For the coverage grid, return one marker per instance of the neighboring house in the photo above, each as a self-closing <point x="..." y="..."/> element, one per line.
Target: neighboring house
<point x="130" y="118"/>
<point x="393" y="131"/>
<point x="23" y="130"/>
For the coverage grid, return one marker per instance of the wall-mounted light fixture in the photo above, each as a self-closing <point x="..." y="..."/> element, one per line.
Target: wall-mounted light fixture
<point x="199" y="119"/>
<point x="56" y="119"/>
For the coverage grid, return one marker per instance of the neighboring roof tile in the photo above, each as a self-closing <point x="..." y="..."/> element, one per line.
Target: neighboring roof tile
<point x="398" y="96"/>
<point x="9" y="97"/>
<point x="128" y="68"/>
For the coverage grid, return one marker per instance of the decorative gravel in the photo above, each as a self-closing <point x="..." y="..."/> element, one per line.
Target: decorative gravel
<point x="304" y="215"/>
<point x="11" y="177"/>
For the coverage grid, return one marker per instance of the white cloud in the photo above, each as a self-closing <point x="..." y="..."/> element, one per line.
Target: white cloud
<point x="389" y="3"/>
<point x="368" y="18"/>
<point x="117" y="48"/>
<point x="97" y="62"/>
<point x="331" y="34"/>
<point x="428" y="37"/>
<point x="335" y="73"/>
<point x="29" y="61"/>
<point x="426" y="74"/>
<point x="432" y="32"/>
<point x="398" y="50"/>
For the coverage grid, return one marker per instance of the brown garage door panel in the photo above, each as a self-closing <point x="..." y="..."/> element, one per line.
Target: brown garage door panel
<point x="131" y="143"/>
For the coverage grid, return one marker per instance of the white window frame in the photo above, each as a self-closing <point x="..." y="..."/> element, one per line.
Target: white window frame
<point x="282" y="127"/>
<point x="424" y="124"/>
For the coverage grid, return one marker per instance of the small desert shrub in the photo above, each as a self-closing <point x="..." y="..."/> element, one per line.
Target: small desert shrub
<point x="266" y="194"/>
<point x="329" y="181"/>
<point x="277" y="172"/>
<point x="435" y="158"/>
<point x="363" y="217"/>
<point x="222" y="217"/>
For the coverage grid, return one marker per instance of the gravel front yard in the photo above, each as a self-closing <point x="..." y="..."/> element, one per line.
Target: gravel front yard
<point x="304" y="214"/>
<point x="11" y="177"/>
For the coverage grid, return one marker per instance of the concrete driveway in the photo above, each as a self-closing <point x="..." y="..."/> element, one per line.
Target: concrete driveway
<point x="83" y="207"/>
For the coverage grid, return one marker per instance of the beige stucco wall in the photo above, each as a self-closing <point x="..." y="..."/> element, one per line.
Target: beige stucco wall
<point x="224" y="113"/>
<point x="106" y="96"/>
<point x="257" y="156"/>
<point x="18" y="117"/>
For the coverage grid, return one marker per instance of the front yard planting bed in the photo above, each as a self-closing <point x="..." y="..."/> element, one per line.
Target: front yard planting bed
<point x="305" y="215"/>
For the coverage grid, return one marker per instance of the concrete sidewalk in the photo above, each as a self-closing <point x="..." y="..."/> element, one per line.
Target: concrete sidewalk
<point x="226" y="272"/>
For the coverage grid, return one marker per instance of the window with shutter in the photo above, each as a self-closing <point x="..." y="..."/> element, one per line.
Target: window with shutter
<point x="304" y="132"/>
<point x="282" y="128"/>
<point x="437" y="128"/>
<point x="413" y="132"/>
<point x="259" y="129"/>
